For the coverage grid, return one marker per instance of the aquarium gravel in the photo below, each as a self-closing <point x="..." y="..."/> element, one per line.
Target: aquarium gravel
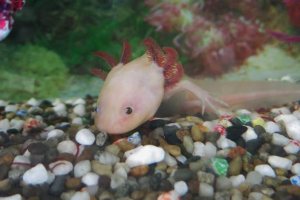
<point x="52" y="150"/>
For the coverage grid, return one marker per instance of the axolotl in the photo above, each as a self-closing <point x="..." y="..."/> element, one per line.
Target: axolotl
<point x="133" y="91"/>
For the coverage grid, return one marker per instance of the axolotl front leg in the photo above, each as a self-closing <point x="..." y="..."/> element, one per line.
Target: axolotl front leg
<point x="195" y="97"/>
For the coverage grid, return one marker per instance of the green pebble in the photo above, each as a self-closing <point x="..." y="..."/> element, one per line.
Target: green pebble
<point x="220" y="166"/>
<point x="244" y="119"/>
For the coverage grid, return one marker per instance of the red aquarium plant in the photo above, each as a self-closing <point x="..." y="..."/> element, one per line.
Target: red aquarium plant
<point x="293" y="7"/>
<point x="216" y="35"/>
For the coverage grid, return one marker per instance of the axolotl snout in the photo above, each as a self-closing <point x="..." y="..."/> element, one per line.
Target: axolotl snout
<point x="133" y="91"/>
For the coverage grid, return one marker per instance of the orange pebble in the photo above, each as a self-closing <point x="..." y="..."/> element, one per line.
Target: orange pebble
<point x="171" y="195"/>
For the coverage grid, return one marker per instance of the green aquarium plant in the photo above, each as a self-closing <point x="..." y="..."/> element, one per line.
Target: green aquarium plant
<point x="31" y="71"/>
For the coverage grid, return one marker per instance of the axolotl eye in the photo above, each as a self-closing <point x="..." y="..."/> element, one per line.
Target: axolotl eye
<point x="128" y="110"/>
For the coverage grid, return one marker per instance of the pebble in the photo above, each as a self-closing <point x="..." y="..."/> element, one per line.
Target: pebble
<point x="36" y="175"/>
<point x="272" y="127"/>
<point x="280" y="140"/>
<point x="79" y="110"/>
<point x="293" y="130"/>
<point x="4" y="125"/>
<point x="90" y="178"/>
<point x="188" y="144"/>
<point x="223" y="183"/>
<point x="101" y="169"/>
<point x="67" y="146"/>
<point x="55" y="133"/>
<point x="180" y="188"/>
<point x="254" y="178"/>
<point x="107" y="158"/>
<point x="224" y="143"/>
<point x="280" y="162"/>
<point x="85" y="137"/>
<point x="172" y="195"/>
<point x="292" y="147"/>
<point x="169" y="160"/>
<point x="295" y="180"/>
<point x="198" y="133"/>
<point x="265" y="170"/>
<point x="81" y="195"/>
<point x="249" y="134"/>
<point x="101" y="138"/>
<point x="219" y="165"/>
<point x="206" y="190"/>
<point x="183" y="174"/>
<point x="237" y="180"/>
<point x="296" y="168"/>
<point x="60" y="109"/>
<point x="205" y="177"/>
<point x="81" y="168"/>
<point x="12" y="197"/>
<point x="235" y="166"/>
<point x="144" y="155"/>
<point x="11" y="108"/>
<point x="61" y="167"/>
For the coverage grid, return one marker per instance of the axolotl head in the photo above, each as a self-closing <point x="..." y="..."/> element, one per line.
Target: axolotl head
<point x="132" y="91"/>
<point x="131" y="94"/>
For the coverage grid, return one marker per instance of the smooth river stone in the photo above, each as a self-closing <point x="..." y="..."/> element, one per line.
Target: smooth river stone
<point x="280" y="162"/>
<point x="144" y="155"/>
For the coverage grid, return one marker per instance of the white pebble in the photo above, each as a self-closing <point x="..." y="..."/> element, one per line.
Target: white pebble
<point x="60" y="109"/>
<point x="291" y="148"/>
<point x="265" y="170"/>
<point x="11" y="108"/>
<point x="35" y="175"/>
<point x="296" y="168"/>
<point x="237" y="180"/>
<point x="272" y="127"/>
<point x="210" y="150"/>
<point x="296" y="113"/>
<point x="281" y="110"/>
<point x="279" y="139"/>
<point x="249" y="134"/>
<point x="17" y="124"/>
<point x="206" y="190"/>
<point x="293" y="130"/>
<point x="121" y="171"/>
<point x="170" y="160"/>
<point x="90" y="178"/>
<point x="77" y="121"/>
<point x="101" y="138"/>
<point x="82" y="167"/>
<point x="12" y="197"/>
<point x="4" y="125"/>
<point x="85" y="137"/>
<point x="180" y="188"/>
<point x="79" y="101"/>
<point x="224" y="143"/>
<point x="51" y="177"/>
<point x="243" y="112"/>
<point x="107" y="158"/>
<point x="144" y="155"/>
<point x="55" y="133"/>
<point x="285" y="118"/>
<point x="84" y="195"/>
<point x="79" y="110"/>
<point x="22" y="160"/>
<point x="181" y="158"/>
<point x="199" y="149"/>
<point x="3" y="103"/>
<point x="61" y="167"/>
<point x="67" y="146"/>
<point x="32" y="102"/>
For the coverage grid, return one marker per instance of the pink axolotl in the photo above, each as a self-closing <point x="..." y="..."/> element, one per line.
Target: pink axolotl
<point x="133" y="91"/>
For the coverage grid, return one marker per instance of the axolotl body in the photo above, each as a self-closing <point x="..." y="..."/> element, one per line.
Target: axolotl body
<point x="133" y="92"/>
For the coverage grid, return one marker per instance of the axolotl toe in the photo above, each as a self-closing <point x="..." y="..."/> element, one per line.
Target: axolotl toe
<point x="133" y="91"/>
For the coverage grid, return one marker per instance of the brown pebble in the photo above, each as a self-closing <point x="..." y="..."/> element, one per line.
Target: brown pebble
<point x="291" y="189"/>
<point x="7" y="159"/>
<point x="73" y="183"/>
<point x="101" y="169"/>
<point x="87" y="154"/>
<point x="138" y="195"/>
<point x="66" y="156"/>
<point x="171" y="149"/>
<point x="124" y="145"/>
<point x="139" y="170"/>
<point x="281" y="172"/>
<point x="235" y="166"/>
<point x="181" y="133"/>
<point x="5" y="185"/>
<point x="197" y="133"/>
<point x="193" y="186"/>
